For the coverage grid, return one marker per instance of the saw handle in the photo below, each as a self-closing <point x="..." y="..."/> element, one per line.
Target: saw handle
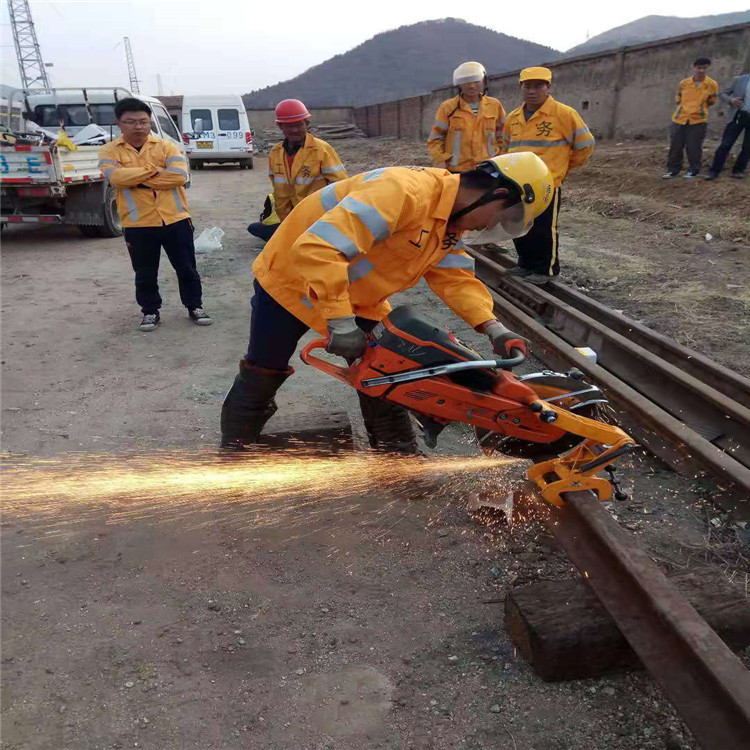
<point x="507" y="364"/>
<point x="340" y="373"/>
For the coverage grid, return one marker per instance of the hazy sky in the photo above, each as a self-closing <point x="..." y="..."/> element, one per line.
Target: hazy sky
<point x="235" y="46"/>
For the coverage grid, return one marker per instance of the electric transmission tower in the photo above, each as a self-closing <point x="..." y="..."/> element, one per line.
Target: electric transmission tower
<point x="131" y="67"/>
<point x="30" y="64"/>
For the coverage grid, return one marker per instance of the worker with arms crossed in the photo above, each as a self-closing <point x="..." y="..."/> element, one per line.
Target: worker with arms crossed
<point x="558" y="135"/>
<point x="468" y="127"/>
<point x="342" y="252"/>
<point x="149" y="174"/>
<point x="298" y="166"/>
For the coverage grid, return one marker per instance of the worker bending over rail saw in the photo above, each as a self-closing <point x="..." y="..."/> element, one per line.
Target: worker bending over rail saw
<point x="342" y="251"/>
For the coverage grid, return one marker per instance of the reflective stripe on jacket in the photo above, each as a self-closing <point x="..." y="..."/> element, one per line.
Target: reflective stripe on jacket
<point x="694" y="99"/>
<point x="555" y="132"/>
<point x="315" y="165"/>
<point x="145" y="198"/>
<point x="353" y="244"/>
<point x="463" y="139"/>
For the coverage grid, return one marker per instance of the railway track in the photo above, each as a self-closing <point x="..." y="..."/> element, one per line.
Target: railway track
<point x="691" y="412"/>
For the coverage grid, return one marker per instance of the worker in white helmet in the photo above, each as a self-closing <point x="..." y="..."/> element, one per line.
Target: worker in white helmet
<point x="468" y="127"/>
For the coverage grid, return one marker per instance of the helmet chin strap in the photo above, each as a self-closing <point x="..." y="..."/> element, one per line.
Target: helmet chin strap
<point x="483" y="200"/>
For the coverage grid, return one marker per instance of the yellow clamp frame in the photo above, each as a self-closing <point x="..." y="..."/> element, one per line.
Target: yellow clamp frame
<point x="603" y="444"/>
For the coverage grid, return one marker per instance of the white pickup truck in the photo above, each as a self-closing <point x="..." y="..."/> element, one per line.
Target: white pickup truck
<point x="54" y="185"/>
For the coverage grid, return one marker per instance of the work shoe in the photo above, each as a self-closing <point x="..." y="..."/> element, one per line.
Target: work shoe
<point x="711" y="176"/>
<point x="538" y="279"/>
<point x="249" y="404"/>
<point x="737" y="175"/>
<point x="149" y="322"/>
<point x="200" y="317"/>
<point x="669" y="175"/>
<point x="691" y="175"/>
<point x="518" y="271"/>
<point x="388" y="426"/>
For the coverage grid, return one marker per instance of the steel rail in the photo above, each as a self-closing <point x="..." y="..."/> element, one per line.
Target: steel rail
<point x="699" y="674"/>
<point x="665" y="435"/>
<point x="719" y="377"/>
<point x="668" y="429"/>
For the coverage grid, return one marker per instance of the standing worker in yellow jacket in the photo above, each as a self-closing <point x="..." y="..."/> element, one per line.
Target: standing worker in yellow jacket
<point x="342" y="252"/>
<point x="301" y="164"/>
<point x="690" y="120"/>
<point x="558" y="135"/>
<point x="148" y="174"/>
<point x="468" y="127"/>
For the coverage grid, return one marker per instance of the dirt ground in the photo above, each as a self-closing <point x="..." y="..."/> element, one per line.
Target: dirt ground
<point x="358" y="623"/>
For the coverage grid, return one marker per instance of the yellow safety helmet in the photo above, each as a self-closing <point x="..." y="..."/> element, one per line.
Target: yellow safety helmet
<point x="468" y="72"/>
<point x="530" y="187"/>
<point x="527" y="177"/>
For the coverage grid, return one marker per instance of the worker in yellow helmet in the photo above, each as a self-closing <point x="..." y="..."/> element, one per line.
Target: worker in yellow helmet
<point x="560" y="137"/>
<point x="298" y="166"/>
<point x="342" y="252"/>
<point x="469" y="126"/>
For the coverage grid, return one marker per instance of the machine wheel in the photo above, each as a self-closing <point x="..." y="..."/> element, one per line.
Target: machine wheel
<point x="548" y="385"/>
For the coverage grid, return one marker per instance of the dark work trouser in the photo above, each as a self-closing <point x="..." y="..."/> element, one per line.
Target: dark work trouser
<point x="738" y="125"/>
<point x="537" y="250"/>
<point x="145" y="244"/>
<point x="687" y="138"/>
<point x="274" y="335"/>
<point x="275" y="332"/>
<point x="262" y="231"/>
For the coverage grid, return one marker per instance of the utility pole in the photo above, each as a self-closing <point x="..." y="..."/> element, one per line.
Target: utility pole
<point x="134" y="87"/>
<point x="30" y="65"/>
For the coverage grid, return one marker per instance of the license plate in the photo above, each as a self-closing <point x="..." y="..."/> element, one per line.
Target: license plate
<point x="205" y="144"/>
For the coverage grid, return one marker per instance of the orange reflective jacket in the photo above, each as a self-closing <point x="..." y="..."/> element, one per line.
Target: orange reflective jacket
<point x="146" y="197"/>
<point x="353" y="244"/>
<point x="314" y="166"/>
<point x="463" y="139"/>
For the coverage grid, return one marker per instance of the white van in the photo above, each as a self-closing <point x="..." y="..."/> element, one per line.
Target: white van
<point x="216" y="129"/>
<point x="78" y="107"/>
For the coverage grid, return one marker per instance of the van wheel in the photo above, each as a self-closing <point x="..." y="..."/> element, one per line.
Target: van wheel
<point x="246" y="164"/>
<point x="90" y="230"/>
<point x="196" y="165"/>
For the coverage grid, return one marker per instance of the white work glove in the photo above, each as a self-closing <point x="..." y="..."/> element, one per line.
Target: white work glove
<point x="345" y="338"/>
<point x="502" y="339"/>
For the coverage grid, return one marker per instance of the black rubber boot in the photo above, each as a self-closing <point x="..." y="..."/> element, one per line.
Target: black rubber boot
<point x="388" y="426"/>
<point x="249" y="404"/>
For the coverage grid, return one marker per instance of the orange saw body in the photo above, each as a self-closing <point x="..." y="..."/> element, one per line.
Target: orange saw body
<point x="422" y="367"/>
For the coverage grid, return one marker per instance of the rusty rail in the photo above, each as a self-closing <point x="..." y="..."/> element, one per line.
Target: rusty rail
<point x="686" y="423"/>
<point x="697" y="671"/>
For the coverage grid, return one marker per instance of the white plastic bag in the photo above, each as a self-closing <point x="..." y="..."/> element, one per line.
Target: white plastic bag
<point x="209" y="240"/>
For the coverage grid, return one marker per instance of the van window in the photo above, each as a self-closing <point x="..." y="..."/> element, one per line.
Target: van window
<point x="166" y="122"/>
<point x="229" y="119"/>
<point x="73" y="115"/>
<point x="201" y="114"/>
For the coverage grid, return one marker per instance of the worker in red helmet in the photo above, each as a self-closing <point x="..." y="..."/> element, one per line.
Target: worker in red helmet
<point x="298" y="166"/>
